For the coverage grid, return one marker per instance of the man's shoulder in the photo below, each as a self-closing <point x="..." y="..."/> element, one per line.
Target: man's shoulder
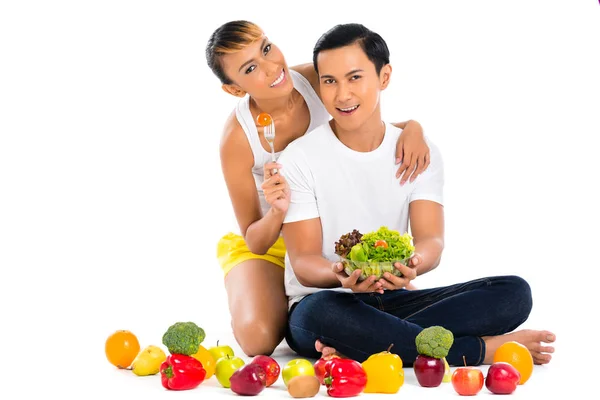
<point x="398" y="131"/>
<point x="433" y="148"/>
<point x="309" y="140"/>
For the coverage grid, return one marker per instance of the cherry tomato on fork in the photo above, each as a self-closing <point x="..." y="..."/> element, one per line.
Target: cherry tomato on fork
<point x="264" y="119"/>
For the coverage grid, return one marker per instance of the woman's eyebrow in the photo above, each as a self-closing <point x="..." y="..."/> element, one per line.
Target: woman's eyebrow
<point x="250" y="61"/>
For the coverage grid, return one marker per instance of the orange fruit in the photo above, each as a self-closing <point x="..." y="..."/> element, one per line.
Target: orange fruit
<point x="121" y="348"/>
<point x="518" y="356"/>
<point x="264" y="119"/>
<point x="207" y="360"/>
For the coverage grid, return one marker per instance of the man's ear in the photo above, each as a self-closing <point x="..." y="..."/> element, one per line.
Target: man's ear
<point x="385" y="76"/>
<point x="234" y="90"/>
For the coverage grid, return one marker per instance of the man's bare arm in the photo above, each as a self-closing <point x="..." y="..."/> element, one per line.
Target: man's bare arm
<point x="427" y="228"/>
<point x="304" y="243"/>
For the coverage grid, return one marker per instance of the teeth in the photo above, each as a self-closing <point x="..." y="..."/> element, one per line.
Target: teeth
<point x="278" y="81"/>
<point x="349" y="109"/>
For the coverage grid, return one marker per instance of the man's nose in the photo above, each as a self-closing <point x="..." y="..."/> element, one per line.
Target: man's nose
<point x="343" y="93"/>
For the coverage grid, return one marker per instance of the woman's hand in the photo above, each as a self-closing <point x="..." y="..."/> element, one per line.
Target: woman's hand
<point x="369" y="285"/>
<point x="275" y="188"/>
<point x="412" y="152"/>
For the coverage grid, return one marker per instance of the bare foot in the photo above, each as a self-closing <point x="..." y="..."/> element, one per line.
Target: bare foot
<point x="324" y="350"/>
<point x="529" y="338"/>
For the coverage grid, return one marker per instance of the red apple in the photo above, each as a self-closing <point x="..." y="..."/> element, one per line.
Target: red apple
<point x="270" y="366"/>
<point x="320" y="365"/>
<point x="502" y="378"/>
<point x="429" y="370"/>
<point x="467" y="381"/>
<point x="249" y="380"/>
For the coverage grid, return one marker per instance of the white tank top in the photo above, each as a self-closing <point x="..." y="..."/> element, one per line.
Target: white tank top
<point x="318" y="116"/>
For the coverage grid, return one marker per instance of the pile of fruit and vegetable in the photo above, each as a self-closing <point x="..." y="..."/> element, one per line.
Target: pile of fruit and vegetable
<point x="188" y="364"/>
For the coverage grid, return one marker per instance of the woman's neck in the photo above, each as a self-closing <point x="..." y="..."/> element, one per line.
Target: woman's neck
<point x="276" y="107"/>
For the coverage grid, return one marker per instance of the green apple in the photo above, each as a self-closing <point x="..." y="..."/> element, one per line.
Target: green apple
<point x="226" y="366"/>
<point x="220" y="351"/>
<point x="296" y="367"/>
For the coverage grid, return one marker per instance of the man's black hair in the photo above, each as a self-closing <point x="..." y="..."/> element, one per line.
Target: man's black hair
<point x="346" y="34"/>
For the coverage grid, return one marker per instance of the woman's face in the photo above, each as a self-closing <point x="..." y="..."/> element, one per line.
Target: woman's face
<point x="259" y="70"/>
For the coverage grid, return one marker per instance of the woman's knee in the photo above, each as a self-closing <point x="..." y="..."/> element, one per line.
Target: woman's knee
<point x="258" y="337"/>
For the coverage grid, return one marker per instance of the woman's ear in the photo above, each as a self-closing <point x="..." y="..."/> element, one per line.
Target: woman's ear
<point x="234" y="90"/>
<point x="385" y="76"/>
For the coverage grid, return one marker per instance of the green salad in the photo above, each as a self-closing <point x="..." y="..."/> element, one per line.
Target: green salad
<point x="382" y="245"/>
<point x="374" y="253"/>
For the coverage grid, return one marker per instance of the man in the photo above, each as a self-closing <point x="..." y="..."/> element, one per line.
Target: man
<point x="339" y="175"/>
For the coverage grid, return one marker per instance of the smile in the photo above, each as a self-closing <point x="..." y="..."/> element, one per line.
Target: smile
<point x="348" y="110"/>
<point x="279" y="79"/>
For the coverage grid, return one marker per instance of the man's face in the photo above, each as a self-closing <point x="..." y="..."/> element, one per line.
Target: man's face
<point x="350" y="86"/>
<point x="259" y="70"/>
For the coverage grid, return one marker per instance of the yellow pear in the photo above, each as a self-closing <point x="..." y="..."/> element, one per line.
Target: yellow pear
<point x="148" y="361"/>
<point x="447" y="372"/>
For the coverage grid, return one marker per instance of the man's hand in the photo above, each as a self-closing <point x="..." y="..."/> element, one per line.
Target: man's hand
<point x="369" y="285"/>
<point x="409" y="272"/>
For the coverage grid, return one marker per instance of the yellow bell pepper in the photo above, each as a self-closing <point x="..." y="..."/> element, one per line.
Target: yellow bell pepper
<point x="384" y="373"/>
<point x="207" y="360"/>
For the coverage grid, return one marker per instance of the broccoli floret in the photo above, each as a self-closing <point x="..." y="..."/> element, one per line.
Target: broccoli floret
<point x="434" y="341"/>
<point x="183" y="338"/>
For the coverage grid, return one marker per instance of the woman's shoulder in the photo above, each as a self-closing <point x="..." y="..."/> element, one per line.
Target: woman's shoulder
<point x="308" y="72"/>
<point x="233" y="137"/>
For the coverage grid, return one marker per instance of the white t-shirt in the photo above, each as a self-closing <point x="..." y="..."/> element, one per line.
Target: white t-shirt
<point x="349" y="190"/>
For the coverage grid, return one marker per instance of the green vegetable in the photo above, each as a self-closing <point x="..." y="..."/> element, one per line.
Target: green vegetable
<point x="399" y="246"/>
<point x="358" y="253"/>
<point x="183" y="338"/>
<point x="434" y="341"/>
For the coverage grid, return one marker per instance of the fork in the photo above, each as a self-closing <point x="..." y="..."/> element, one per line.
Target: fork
<point x="269" y="133"/>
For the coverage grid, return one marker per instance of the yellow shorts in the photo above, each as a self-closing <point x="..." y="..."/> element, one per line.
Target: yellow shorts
<point x="232" y="250"/>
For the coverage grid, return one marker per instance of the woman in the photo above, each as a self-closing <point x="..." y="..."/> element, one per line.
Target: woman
<point x="247" y="63"/>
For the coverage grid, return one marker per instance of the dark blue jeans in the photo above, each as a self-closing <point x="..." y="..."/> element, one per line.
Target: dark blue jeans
<point x="360" y="324"/>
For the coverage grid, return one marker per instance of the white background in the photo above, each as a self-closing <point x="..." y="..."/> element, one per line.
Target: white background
<point x="112" y="199"/>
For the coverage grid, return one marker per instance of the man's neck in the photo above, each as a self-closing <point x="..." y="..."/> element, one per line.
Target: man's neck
<point x="366" y="137"/>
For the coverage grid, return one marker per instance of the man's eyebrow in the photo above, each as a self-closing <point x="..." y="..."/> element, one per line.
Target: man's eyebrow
<point x="354" y="71"/>
<point x="262" y="46"/>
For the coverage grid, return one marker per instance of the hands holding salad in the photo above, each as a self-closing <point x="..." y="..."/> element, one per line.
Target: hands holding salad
<point x="369" y="285"/>
<point x="409" y="272"/>
<point x="372" y="284"/>
<point x="376" y="261"/>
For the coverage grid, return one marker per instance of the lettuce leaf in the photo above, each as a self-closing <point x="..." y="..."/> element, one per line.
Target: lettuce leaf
<point x="400" y="247"/>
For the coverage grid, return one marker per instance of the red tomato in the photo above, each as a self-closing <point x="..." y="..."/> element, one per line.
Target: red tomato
<point x="381" y="243"/>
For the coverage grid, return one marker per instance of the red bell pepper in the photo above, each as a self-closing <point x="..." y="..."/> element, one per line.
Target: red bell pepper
<point x="320" y="366"/>
<point x="344" y="378"/>
<point x="181" y="372"/>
